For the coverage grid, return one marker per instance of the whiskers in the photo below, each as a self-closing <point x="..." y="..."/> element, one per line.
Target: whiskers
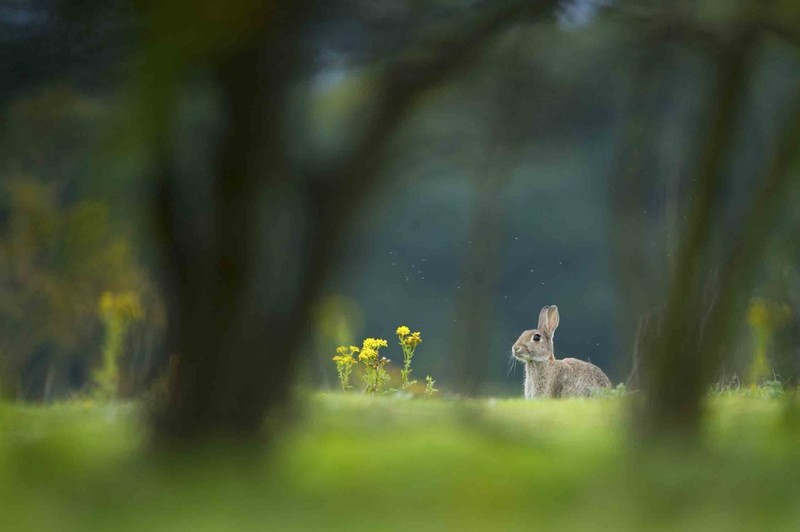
<point x="512" y="365"/>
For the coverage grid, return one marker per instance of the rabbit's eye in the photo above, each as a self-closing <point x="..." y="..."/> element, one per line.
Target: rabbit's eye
<point x="537" y="337"/>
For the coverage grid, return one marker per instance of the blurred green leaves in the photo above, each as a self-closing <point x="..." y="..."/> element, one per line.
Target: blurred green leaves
<point x="56" y="258"/>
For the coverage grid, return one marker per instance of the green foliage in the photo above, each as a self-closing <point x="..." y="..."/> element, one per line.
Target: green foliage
<point x="429" y="387"/>
<point x="772" y="388"/>
<point x="56" y="259"/>
<point x="620" y="390"/>
<point x="552" y="464"/>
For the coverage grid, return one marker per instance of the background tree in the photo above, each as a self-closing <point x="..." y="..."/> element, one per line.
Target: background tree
<point x="693" y="331"/>
<point x="56" y="261"/>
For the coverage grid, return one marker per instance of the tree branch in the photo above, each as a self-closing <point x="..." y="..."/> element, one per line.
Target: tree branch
<point x="405" y="81"/>
<point x="422" y="68"/>
<point x="781" y="31"/>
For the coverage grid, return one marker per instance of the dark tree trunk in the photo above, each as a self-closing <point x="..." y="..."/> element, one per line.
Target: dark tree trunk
<point x="673" y="366"/>
<point x="707" y="296"/>
<point x="230" y="336"/>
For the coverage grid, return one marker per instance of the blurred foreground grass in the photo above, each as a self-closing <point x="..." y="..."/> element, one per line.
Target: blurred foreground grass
<point x="384" y="463"/>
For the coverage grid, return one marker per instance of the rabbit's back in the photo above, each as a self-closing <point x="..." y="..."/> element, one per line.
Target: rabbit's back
<point x="580" y="378"/>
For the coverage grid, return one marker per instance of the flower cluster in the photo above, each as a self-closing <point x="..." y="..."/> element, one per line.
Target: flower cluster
<point x="344" y="364"/>
<point x="768" y="314"/>
<point x="370" y="349"/>
<point x="412" y="340"/>
<point x="408" y="342"/>
<point x="345" y="354"/>
<point x="375" y="375"/>
<point x="124" y="306"/>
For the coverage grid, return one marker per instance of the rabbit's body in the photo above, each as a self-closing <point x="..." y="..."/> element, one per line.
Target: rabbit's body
<point x="545" y="376"/>
<point x="563" y="378"/>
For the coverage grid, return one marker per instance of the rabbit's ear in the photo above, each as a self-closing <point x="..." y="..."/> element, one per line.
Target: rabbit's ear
<point x="548" y="320"/>
<point x="543" y="318"/>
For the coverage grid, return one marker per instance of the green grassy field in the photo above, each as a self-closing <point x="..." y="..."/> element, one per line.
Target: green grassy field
<point x="387" y="463"/>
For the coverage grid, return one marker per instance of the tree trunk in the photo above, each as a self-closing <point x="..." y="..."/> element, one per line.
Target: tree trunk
<point x="232" y="336"/>
<point x="702" y="311"/>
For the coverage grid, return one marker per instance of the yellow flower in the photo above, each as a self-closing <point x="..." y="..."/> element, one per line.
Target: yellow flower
<point x="344" y="360"/>
<point x="758" y="313"/>
<point x="367" y="354"/>
<point x="345" y="355"/>
<point x="124" y="305"/>
<point x="374" y="343"/>
<point x="403" y="331"/>
<point x="768" y="314"/>
<point x="413" y="340"/>
<point x="347" y="351"/>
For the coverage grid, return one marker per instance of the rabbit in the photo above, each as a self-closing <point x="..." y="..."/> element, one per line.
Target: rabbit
<point x="545" y="376"/>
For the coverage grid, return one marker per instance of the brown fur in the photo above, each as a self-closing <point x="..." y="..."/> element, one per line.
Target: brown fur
<point x="545" y="376"/>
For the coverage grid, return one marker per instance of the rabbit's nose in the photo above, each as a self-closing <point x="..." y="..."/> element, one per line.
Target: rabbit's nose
<point x="517" y="348"/>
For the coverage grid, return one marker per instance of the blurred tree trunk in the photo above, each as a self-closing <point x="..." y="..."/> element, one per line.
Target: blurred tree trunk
<point x="674" y="367"/>
<point x="230" y="339"/>
<point x="472" y="331"/>
<point x="684" y="351"/>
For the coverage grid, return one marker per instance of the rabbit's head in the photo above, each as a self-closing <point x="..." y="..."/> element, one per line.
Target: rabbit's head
<point x="537" y="345"/>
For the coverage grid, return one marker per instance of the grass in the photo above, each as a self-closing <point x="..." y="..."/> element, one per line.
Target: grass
<point x="356" y="462"/>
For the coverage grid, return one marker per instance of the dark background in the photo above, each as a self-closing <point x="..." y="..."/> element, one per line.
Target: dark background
<point x="500" y="183"/>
